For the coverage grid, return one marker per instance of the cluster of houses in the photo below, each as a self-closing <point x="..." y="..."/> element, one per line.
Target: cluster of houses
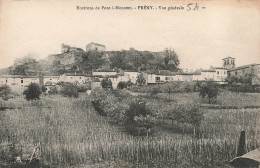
<point x="217" y="74"/>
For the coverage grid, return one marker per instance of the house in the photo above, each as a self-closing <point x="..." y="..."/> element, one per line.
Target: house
<point x="188" y="77"/>
<point x="18" y="80"/>
<point x="207" y="75"/>
<point x="131" y="75"/>
<point x="253" y="69"/>
<point x="73" y="78"/>
<point x="50" y="80"/>
<point x="220" y="74"/>
<point x="95" y="47"/>
<point x="104" y="73"/>
<point x="115" y="76"/>
<point x="160" y="76"/>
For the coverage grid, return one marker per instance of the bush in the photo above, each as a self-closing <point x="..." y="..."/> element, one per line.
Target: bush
<point x="155" y="91"/>
<point x="140" y="79"/>
<point x="122" y="95"/>
<point x="43" y="89"/>
<point x="136" y="108"/>
<point x="139" y="120"/>
<point x="32" y="92"/>
<point x="121" y="85"/>
<point x="53" y="90"/>
<point x="129" y="83"/>
<point x="208" y="89"/>
<point x="186" y="113"/>
<point x="5" y="92"/>
<point x="61" y="83"/>
<point x="83" y="88"/>
<point x="106" y="83"/>
<point x="70" y="90"/>
<point x="107" y="104"/>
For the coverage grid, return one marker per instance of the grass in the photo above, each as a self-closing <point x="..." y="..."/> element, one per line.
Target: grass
<point x="72" y="133"/>
<point x="225" y="98"/>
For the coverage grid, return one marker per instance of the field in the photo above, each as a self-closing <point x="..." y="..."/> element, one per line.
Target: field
<point x="71" y="133"/>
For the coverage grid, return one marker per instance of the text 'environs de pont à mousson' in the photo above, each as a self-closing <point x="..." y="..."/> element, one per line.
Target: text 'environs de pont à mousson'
<point x="188" y="7"/>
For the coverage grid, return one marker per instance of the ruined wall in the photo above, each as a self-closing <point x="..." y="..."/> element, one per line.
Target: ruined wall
<point x="95" y="47"/>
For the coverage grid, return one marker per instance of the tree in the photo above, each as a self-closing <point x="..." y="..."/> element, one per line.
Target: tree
<point x="170" y="88"/>
<point x="136" y="108"/>
<point x="232" y="79"/>
<point x="208" y="89"/>
<point x="25" y="66"/>
<point x="32" y="92"/>
<point x="91" y="60"/>
<point x="195" y="116"/>
<point x="147" y="121"/>
<point x="69" y="90"/>
<point x="129" y="83"/>
<point x="247" y="79"/>
<point x="117" y="60"/>
<point x="5" y="91"/>
<point x="121" y="85"/>
<point x="106" y="83"/>
<point x="140" y="79"/>
<point x="171" y="60"/>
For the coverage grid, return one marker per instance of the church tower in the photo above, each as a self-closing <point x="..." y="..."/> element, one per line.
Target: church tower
<point x="229" y="63"/>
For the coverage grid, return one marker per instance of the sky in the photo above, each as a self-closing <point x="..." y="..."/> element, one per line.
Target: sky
<point x="200" y="38"/>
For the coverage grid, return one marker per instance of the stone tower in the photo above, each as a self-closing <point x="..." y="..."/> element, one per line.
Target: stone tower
<point x="229" y="63"/>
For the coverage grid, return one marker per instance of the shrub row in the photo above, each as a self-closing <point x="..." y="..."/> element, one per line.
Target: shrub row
<point x="244" y="88"/>
<point x="177" y="87"/>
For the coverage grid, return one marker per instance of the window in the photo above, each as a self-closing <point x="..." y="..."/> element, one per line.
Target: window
<point x="21" y="81"/>
<point x="217" y="72"/>
<point x="157" y="79"/>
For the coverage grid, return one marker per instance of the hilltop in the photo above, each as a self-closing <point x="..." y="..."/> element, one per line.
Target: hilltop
<point x="73" y="59"/>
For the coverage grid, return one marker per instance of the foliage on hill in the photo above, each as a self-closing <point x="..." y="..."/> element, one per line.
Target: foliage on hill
<point x="144" y="60"/>
<point x="85" y="62"/>
<point x="25" y="66"/>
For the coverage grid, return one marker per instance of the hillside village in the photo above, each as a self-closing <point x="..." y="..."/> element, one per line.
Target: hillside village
<point x="70" y="55"/>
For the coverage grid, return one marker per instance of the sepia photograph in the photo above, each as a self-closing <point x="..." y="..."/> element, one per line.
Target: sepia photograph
<point x="130" y="84"/>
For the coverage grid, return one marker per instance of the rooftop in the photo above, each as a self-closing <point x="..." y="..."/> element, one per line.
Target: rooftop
<point x="243" y="67"/>
<point x="97" y="44"/>
<point x="17" y="76"/>
<point x="228" y="58"/>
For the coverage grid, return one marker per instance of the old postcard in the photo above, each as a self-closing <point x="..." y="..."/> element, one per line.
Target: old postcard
<point x="130" y="83"/>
